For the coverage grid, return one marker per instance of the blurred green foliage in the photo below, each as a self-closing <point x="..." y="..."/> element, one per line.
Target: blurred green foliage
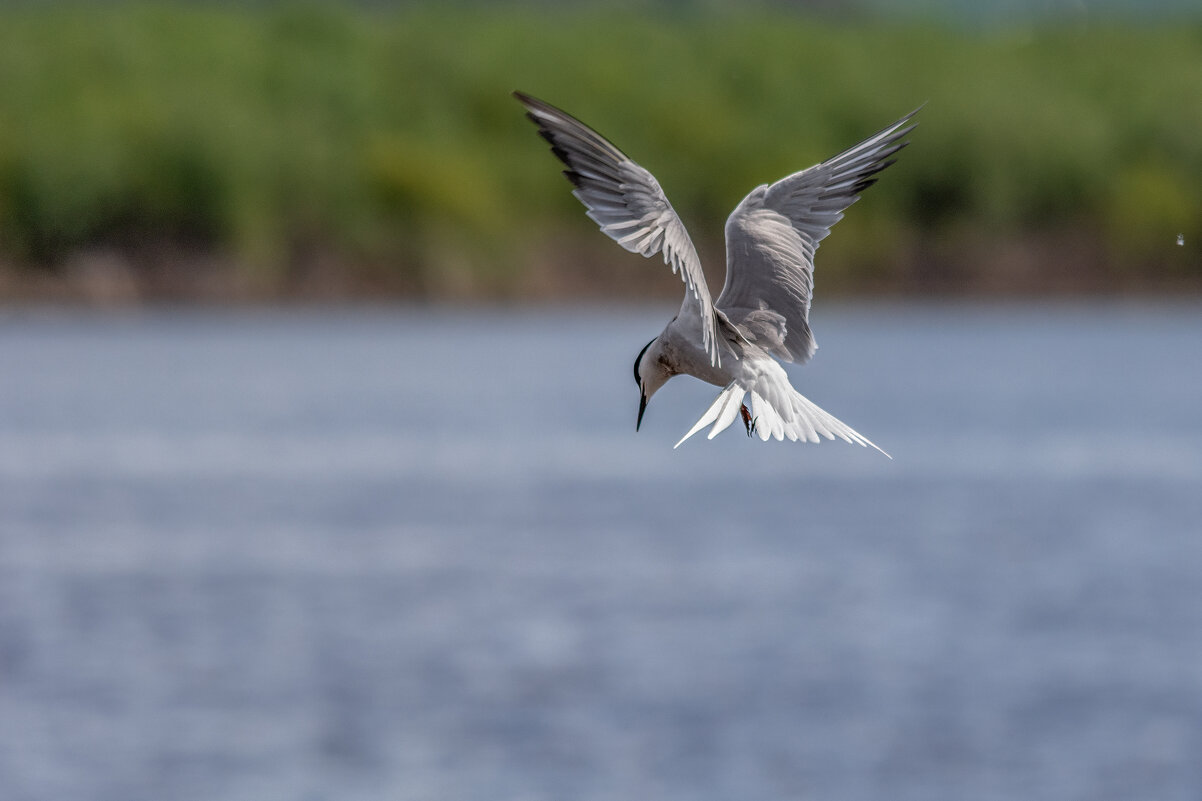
<point x="389" y="139"/>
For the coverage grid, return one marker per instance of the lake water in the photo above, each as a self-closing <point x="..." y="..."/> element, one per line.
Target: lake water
<point x="423" y="555"/>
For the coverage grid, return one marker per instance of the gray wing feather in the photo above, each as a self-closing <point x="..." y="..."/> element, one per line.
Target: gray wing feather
<point x="628" y="204"/>
<point x="772" y="235"/>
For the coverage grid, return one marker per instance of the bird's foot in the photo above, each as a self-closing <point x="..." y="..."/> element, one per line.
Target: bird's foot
<point x="748" y="420"/>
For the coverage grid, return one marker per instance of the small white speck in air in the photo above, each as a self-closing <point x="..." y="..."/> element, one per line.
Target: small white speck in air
<point x="1180" y="239"/>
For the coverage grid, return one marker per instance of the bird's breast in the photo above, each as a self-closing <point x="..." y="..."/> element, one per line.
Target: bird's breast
<point x="685" y="358"/>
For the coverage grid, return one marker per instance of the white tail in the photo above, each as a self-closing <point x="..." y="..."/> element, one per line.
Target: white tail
<point x="723" y="410"/>
<point x="804" y="420"/>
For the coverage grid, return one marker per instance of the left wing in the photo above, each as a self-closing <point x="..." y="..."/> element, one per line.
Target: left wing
<point x="629" y="205"/>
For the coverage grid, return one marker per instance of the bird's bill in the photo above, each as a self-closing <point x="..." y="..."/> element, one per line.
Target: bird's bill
<point x="642" y="408"/>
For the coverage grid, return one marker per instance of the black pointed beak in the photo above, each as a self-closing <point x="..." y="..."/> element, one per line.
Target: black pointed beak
<point x="642" y="408"/>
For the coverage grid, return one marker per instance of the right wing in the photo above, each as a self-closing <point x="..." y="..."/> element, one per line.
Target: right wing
<point x="772" y="235"/>
<point x="629" y="205"/>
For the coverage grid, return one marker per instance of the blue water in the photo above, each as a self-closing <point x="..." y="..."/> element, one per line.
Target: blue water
<point x="422" y="555"/>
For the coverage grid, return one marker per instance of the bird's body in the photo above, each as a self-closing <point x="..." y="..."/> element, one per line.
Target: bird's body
<point x="762" y="314"/>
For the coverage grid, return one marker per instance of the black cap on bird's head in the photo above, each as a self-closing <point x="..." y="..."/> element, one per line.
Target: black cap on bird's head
<point x="642" y="395"/>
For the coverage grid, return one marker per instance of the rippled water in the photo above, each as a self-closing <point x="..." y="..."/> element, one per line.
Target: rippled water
<point x="414" y="554"/>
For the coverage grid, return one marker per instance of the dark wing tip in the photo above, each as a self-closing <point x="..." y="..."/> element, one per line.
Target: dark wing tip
<point x="869" y="176"/>
<point x="909" y="116"/>
<point x="534" y="107"/>
<point x="575" y="144"/>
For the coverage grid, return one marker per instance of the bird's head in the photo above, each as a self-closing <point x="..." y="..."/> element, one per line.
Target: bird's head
<point x="650" y="374"/>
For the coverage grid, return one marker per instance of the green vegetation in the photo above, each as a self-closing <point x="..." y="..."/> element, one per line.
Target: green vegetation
<point x="386" y="143"/>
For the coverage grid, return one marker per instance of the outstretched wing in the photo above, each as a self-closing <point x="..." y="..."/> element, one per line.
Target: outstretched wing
<point x="772" y="235"/>
<point x="629" y="205"/>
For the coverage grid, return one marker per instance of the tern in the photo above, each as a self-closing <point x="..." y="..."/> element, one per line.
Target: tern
<point x="762" y="314"/>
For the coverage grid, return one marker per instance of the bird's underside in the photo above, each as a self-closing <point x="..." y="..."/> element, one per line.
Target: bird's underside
<point x="762" y="313"/>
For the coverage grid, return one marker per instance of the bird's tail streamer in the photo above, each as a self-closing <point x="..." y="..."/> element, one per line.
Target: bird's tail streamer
<point x="803" y="420"/>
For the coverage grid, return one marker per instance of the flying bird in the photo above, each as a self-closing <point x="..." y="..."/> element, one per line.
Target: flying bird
<point x="762" y="314"/>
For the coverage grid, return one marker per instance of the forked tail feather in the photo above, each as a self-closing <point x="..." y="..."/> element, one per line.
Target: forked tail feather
<point x="804" y="420"/>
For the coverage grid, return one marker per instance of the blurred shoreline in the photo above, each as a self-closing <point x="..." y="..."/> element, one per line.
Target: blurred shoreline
<point x="1054" y="264"/>
<point x="214" y="153"/>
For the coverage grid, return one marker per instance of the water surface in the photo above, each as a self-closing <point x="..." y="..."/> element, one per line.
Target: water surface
<point x="414" y="554"/>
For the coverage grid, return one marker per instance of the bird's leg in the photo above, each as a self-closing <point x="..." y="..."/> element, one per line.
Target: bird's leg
<point x="748" y="421"/>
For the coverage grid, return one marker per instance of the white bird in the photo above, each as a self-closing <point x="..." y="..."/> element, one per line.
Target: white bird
<point x="763" y="309"/>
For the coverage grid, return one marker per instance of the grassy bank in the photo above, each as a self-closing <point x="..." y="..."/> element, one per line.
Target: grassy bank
<point x="279" y="145"/>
